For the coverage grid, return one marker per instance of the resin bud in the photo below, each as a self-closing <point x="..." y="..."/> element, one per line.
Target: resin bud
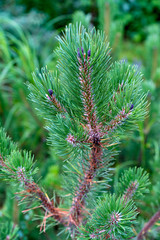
<point x="89" y="53"/>
<point x="131" y="107"/>
<point x="50" y="92"/>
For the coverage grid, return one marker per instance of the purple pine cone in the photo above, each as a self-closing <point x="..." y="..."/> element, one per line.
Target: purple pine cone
<point x="89" y="53"/>
<point x="131" y="107"/>
<point x="50" y="92"/>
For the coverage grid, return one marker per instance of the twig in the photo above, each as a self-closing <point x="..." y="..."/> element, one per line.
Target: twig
<point x="130" y="191"/>
<point x="148" y="225"/>
<point x="34" y="191"/>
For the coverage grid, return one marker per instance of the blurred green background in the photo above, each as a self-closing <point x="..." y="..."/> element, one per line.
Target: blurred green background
<point x="28" y="30"/>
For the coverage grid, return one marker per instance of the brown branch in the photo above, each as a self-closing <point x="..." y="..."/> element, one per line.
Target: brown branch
<point x="76" y="210"/>
<point x="75" y="217"/>
<point x="148" y="225"/>
<point x="34" y="191"/>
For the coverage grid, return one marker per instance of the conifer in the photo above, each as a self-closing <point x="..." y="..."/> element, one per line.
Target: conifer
<point x="87" y="104"/>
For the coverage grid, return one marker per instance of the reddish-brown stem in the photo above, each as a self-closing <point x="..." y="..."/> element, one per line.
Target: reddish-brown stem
<point x="56" y="103"/>
<point x="34" y="191"/>
<point x="76" y="210"/>
<point x="48" y="206"/>
<point x="148" y="225"/>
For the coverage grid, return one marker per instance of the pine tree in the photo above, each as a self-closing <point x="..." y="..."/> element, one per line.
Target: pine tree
<point x="87" y="104"/>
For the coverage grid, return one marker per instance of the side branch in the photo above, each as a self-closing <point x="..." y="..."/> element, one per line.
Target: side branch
<point x="148" y="225"/>
<point x="55" y="102"/>
<point x="130" y="191"/>
<point x="118" y="120"/>
<point x="33" y="190"/>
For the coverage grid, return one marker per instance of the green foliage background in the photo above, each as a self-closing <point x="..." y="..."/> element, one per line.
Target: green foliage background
<point x="28" y="31"/>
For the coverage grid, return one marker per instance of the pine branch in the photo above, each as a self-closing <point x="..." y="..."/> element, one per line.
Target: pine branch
<point x="133" y="183"/>
<point x="109" y="218"/>
<point x="94" y="138"/>
<point x="33" y="190"/>
<point x="118" y="120"/>
<point x="55" y="102"/>
<point x="148" y="225"/>
<point x="81" y="103"/>
<point x="130" y="191"/>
